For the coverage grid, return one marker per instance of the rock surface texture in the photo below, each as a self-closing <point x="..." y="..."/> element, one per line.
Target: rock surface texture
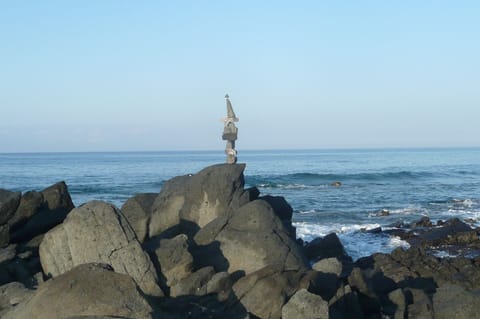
<point x="86" y="290"/>
<point x="198" y="199"/>
<point x="97" y="232"/>
<point x="252" y="238"/>
<point x="205" y="247"/>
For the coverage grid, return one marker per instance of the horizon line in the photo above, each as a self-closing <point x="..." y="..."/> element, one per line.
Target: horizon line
<point x="255" y="150"/>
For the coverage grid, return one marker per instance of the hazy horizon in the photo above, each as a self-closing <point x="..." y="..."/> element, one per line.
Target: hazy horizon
<point x="151" y="76"/>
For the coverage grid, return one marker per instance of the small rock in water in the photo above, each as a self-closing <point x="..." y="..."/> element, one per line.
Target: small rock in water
<point x="336" y="184"/>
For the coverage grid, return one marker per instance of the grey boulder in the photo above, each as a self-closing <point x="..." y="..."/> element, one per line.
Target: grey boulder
<point x="35" y="218"/>
<point x="200" y="198"/>
<point x="97" y="232"/>
<point x="137" y="210"/>
<point x="250" y="239"/>
<point x="89" y="290"/>
<point x="453" y="301"/>
<point x="305" y="305"/>
<point x="8" y="204"/>
<point x="264" y="292"/>
<point x="174" y="260"/>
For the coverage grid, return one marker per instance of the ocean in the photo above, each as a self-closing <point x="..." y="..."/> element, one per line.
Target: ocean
<point x="409" y="183"/>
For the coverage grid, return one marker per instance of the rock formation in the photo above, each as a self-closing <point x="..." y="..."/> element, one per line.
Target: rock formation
<point x="230" y="133"/>
<point x="205" y="247"/>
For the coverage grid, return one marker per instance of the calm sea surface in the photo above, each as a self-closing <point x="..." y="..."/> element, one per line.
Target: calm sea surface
<point x="410" y="183"/>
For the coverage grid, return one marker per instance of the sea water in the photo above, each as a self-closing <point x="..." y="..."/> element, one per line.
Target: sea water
<point x="409" y="183"/>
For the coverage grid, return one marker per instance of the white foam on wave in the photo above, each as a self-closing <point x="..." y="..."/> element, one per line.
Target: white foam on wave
<point x="361" y="244"/>
<point x="410" y="210"/>
<point x="472" y="216"/>
<point x="307" y="212"/>
<point x="442" y="254"/>
<point x="356" y="239"/>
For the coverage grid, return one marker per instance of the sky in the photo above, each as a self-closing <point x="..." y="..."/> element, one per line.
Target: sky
<point x="151" y="75"/>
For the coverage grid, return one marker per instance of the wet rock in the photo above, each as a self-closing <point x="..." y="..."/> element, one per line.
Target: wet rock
<point x="98" y="232"/>
<point x="422" y="222"/>
<point x="305" y="305"/>
<point x="86" y="290"/>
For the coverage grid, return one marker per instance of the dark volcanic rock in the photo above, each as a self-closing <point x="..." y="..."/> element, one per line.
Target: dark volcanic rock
<point x="264" y="292"/>
<point x="326" y="247"/>
<point x="98" y="232"/>
<point x="422" y="222"/>
<point x="57" y="203"/>
<point x="194" y="284"/>
<point x="305" y="305"/>
<point x="283" y="210"/>
<point x="86" y="290"/>
<point x="453" y="301"/>
<point x="30" y="203"/>
<point x="9" y="202"/>
<point x="11" y="295"/>
<point x="4" y="235"/>
<point x="200" y="198"/>
<point x="138" y="210"/>
<point x="250" y="239"/>
<point x="173" y="259"/>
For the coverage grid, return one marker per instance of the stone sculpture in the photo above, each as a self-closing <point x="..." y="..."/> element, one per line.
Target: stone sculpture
<point x="230" y="132"/>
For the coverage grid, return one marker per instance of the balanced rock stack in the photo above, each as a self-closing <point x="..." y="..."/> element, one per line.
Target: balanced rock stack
<point x="206" y="247"/>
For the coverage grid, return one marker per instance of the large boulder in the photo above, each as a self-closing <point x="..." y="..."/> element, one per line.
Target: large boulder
<point x="198" y="199"/>
<point x="250" y="239"/>
<point x="11" y="295"/>
<point x="4" y="235"/>
<point x="30" y="203"/>
<point x="36" y="217"/>
<point x="264" y="292"/>
<point x="98" y="232"/>
<point x="137" y="210"/>
<point x="173" y="259"/>
<point x="305" y="305"/>
<point x="89" y="290"/>
<point x="453" y="301"/>
<point x="329" y="246"/>
<point x="9" y="202"/>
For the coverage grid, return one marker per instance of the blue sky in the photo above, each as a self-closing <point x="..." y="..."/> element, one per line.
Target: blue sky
<point x="151" y="75"/>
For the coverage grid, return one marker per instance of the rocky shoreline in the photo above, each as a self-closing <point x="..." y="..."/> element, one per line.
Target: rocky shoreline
<point x="206" y="247"/>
